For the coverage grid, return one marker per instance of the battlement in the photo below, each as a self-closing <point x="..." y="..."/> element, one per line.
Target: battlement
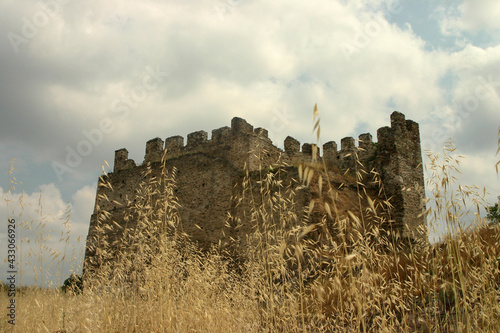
<point x="235" y="142"/>
<point x="122" y="162"/>
<point x="239" y="135"/>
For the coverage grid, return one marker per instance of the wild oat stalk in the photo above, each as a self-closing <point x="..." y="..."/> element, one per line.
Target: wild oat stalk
<point x="335" y="266"/>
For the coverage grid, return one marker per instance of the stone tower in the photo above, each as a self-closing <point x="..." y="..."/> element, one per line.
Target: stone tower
<point x="208" y="170"/>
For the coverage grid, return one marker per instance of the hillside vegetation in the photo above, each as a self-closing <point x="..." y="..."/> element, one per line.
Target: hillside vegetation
<point x="327" y="273"/>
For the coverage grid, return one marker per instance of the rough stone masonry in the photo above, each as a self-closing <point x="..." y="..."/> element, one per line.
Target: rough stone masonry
<point x="208" y="170"/>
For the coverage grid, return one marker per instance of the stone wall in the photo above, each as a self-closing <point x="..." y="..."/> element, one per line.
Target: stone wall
<point x="209" y="169"/>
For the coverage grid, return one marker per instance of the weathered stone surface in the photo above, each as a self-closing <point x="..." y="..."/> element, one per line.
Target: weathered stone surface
<point x="196" y="139"/>
<point x="174" y="144"/>
<point x="154" y="150"/>
<point x="399" y="162"/>
<point x="209" y="169"/>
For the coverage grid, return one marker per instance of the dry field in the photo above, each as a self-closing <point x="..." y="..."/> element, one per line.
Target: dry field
<point x="334" y="273"/>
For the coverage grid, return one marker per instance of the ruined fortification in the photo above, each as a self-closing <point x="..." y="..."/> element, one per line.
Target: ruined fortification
<point x="208" y="169"/>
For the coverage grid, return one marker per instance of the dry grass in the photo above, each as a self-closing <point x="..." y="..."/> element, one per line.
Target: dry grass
<point x="318" y="270"/>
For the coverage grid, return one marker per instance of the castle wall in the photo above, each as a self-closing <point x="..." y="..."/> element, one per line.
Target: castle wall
<point x="208" y="169"/>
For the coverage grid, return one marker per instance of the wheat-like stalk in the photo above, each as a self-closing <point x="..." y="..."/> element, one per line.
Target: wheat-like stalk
<point x="317" y="259"/>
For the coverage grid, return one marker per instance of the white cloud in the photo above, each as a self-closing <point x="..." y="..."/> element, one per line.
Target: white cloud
<point x="48" y="230"/>
<point x="260" y="56"/>
<point x="479" y="14"/>
<point x="469" y="16"/>
<point x="253" y="59"/>
<point x="82" y="204"/>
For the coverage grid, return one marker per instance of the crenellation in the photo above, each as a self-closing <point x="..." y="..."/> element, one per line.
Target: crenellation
<point x="398" y="121"/>
<point x="306" y="154"/>
<point x="174" y="145"/>
<point x="330" y="154"/>
<point x="292" y="150"/>
<point x="365" y="141"/>
<point x="121" y="157"/>
<point x="316" y="150"/>
<point x="154" y="150"/>
<point x="366" y="148"/>
<point x="307" y="149"/>
<point x="292" y="146"/>
<point x="196" y="139"/>
<point x="130" y="164"/>
<point x="347" y="153"/>
<point x="261" y="132"/>
<point x="414" y="141"/>
<point x="221" y="134"/>
<point x="382" y="134"/>
<point x="347" y="144"/>
<point x="122" y="162"/>
<point x="413" y="131"/>
<point x="330" y="149"/>
<point x="240" y="125"/>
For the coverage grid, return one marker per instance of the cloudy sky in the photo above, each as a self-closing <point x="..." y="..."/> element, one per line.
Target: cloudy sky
<point x="80" y="79"/>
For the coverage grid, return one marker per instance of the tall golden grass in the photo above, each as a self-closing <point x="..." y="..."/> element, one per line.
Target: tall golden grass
<point x="299" y="271"/>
